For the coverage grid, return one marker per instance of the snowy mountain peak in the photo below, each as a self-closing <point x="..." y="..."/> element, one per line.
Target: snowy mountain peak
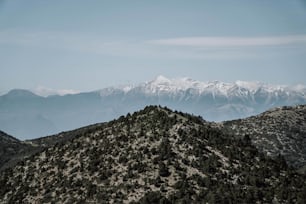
<point x="186" y="87"/>
<point x="164" y="85"/>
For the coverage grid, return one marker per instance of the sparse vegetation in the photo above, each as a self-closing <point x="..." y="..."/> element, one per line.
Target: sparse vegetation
<point x="280" y="131"/>
<point x="152" y="156"/>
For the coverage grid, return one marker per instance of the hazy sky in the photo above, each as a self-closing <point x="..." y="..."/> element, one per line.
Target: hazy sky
<point x="87" y="45"/>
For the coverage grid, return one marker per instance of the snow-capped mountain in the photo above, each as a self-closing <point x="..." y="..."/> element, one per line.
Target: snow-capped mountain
<point x="23" y="114"/>
<point x="213" y="100"/>
<point x="238" y="88"/>
<point x="164" y="86"/>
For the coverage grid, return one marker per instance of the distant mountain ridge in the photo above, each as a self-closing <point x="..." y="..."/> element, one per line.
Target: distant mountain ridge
<point x="26" y="115"/>
<point x="162" y="85"/>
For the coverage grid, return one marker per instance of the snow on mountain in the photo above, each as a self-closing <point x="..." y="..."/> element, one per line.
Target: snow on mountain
<point x="214" y="100"/>
<point x="299" y="88"/>
<point x="162" y="85"/>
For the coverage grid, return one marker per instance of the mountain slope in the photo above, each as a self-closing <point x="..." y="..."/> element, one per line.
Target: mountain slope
<point x="9" y="146"/>
<point x="154" y="155"/>
<point x="277" y="131"/>
<point x="12" y="150"/>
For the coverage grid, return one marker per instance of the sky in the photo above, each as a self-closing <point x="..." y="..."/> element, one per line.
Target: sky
<point x="76" y="45"/>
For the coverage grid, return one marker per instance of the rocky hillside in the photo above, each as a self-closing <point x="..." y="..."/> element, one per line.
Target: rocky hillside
<point x="277" y="131"/>
<point x="154" y="155"/>
<point x="13" y="150"/>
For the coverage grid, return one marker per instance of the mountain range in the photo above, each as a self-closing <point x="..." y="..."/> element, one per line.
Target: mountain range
<point x="27" y="115"/>
<point x="157" y="155"/>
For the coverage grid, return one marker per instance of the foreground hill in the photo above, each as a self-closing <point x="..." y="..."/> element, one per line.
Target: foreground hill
<point x="277" y="131"/>
<point x="26" y="115"/>
<point x="154" y="155"/>
<point x="13" y="150"/>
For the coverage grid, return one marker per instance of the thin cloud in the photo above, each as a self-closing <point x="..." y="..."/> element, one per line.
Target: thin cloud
<point x="44" y="91"/>
<point x="80" y="42"/>
<point x="232" y="41"/>
<point x="214" y="48"/>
